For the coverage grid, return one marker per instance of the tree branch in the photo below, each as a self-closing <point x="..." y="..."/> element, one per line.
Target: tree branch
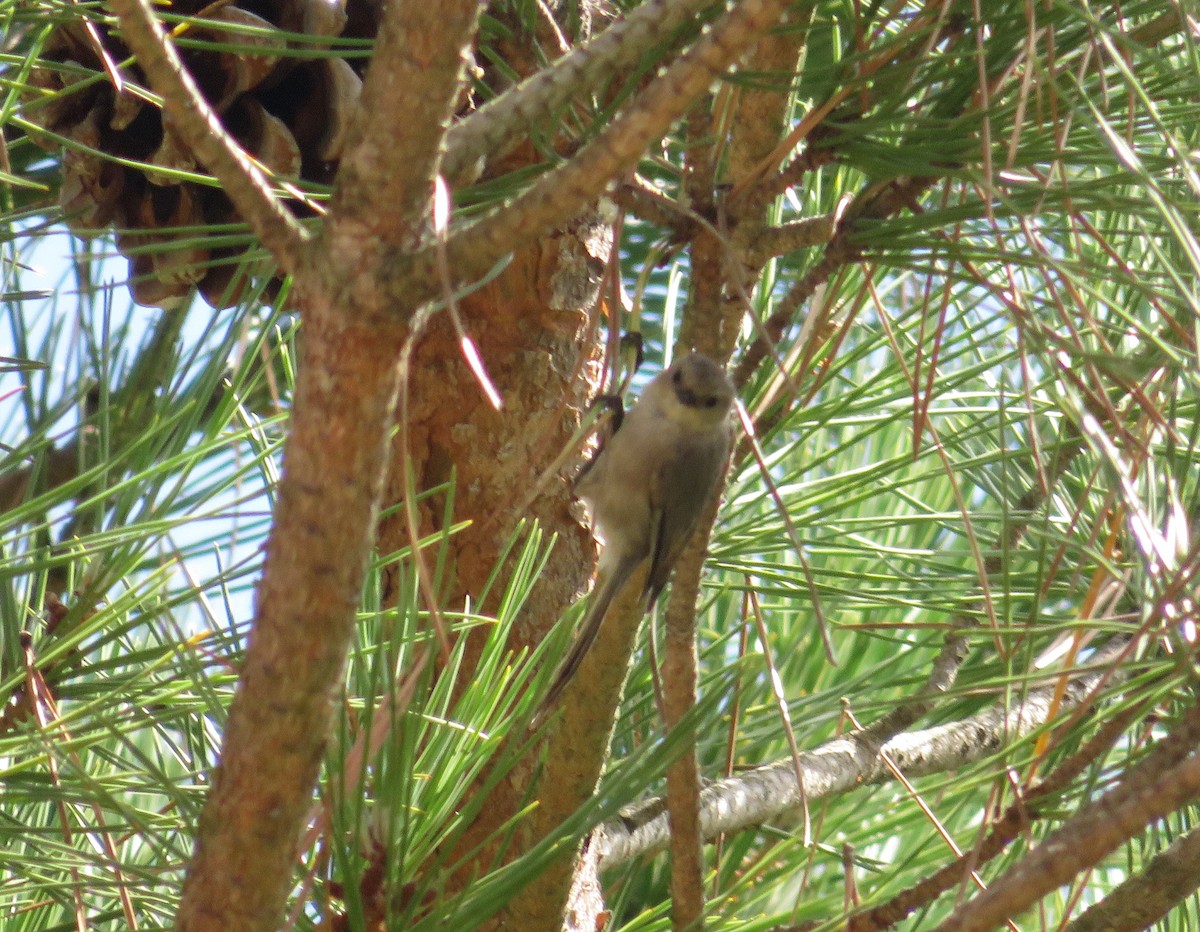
<point x="874" y="203"/>
<point x="1148" y="791"/>
<point x="680" y="676"/>
<point x="655" y="208"/>
<point x="848" y="762"/>
<point x="1003" y="831"/>
<point x="565" y="191"/>
<point x="324" y="520"/>
<point x="499" y="122"/>
<point x="577" y="748"/>
<point x="335" y="460"/>
<point x="791" y="237"/>
<point x="384" y="183"/>
<point x="812" y="158"/>
<point x="1145" y="898"/>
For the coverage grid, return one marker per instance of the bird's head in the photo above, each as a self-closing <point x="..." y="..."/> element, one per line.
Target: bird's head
<point x="695" y="392"/>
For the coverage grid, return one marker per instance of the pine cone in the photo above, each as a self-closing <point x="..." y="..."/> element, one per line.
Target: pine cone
<point x="124" y="169"/>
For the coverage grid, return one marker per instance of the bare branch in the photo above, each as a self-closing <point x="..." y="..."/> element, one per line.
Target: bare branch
<point x="680" y="677"/>
<point x="328" y="502"/>
<point x="577" y="749"/>
<point x="279" y="721"/>
<point x="791" y="174"/>
<point x="654" y="207"/>
<point x="847" y="762"/>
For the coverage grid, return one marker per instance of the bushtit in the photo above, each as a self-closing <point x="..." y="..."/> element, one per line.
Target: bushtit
<point x="647" y="486"/>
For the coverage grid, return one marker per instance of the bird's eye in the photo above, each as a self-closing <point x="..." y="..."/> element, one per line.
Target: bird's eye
<point x="677" y="377"/>
<point x="710" y="401"/>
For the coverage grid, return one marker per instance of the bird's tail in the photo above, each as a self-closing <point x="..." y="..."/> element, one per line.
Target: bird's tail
<point x="602" y="598"/>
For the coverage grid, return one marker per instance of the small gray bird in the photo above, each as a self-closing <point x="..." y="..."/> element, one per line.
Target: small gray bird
<point x="647" y="486"/>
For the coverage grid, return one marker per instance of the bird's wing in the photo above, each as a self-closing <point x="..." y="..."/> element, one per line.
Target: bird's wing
<point x="676" y="502"/>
